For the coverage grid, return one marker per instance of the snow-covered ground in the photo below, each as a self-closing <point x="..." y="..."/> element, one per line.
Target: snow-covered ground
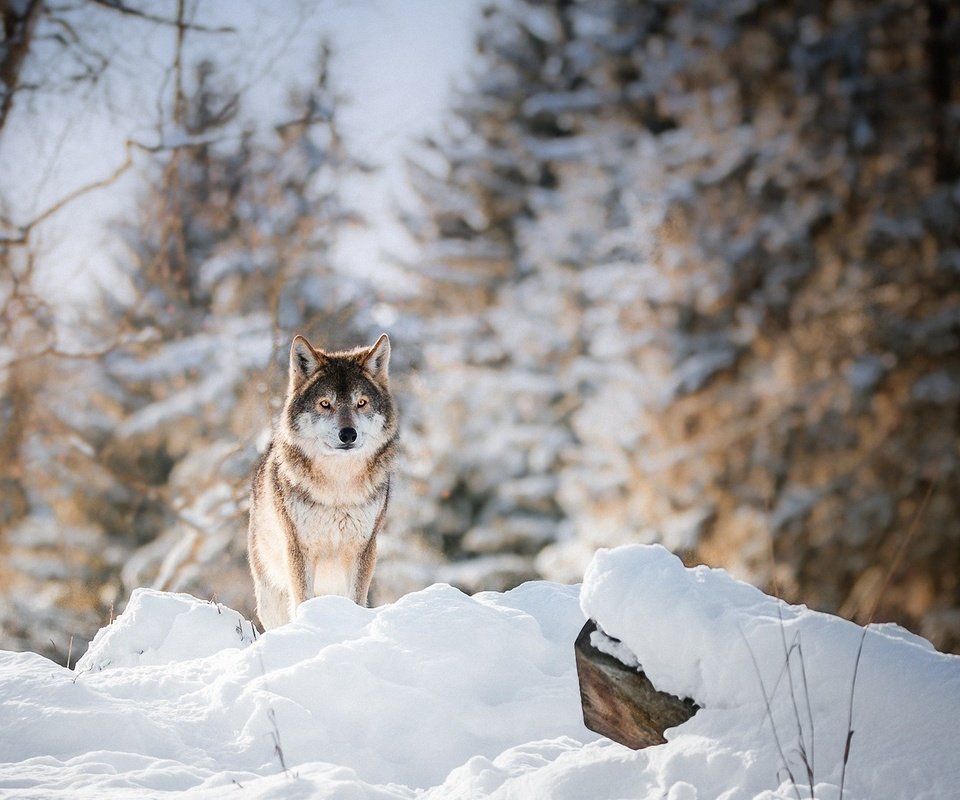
<point x="441" y="695"/>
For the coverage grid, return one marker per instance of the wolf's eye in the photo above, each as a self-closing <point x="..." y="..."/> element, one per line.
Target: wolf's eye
<point x="324" y="403"/>
<point x="361" y="402"/>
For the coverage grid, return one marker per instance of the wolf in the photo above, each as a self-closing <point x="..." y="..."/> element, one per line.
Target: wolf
<point x="320" y="491"/>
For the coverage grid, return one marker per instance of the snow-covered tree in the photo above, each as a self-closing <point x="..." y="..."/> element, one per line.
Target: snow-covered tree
<point x="229" y="259"/>
<point x="706" y="257"/>
<point x="139" y="459"/>
<point x="52" y="552"/>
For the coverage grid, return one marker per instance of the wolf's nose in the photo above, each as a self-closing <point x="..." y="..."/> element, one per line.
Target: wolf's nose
<point x="348" y="435"/>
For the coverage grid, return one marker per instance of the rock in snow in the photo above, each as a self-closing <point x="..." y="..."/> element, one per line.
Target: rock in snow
<point x="441" y="695"/>
<point x="618" y="699"/>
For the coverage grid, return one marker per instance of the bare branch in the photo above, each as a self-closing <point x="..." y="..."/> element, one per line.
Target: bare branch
<point x="17" y="33"/>
<point x="179" y="101"/>
<point x="84" y="53"/>
<point x="22" y="232"/>
<point x="55" y="352"/>
<point x="115" y="5"/>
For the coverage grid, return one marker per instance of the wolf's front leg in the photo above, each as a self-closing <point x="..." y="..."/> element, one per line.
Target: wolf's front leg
<point x="273" y="607"/>
<point x="298" y="576"/>
<point x="365" y="565"/>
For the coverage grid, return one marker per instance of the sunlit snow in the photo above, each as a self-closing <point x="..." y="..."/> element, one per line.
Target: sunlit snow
<point x="442" y="695"/>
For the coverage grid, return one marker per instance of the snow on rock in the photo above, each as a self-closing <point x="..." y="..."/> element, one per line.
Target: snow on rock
<point x="699" y="633"/>
<point x="441" y="696"/>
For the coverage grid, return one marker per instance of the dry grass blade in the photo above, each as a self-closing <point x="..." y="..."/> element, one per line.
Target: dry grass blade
<point x="766" y="703"/>
<point x="863" y="635"/>
<point x="275" y="733"/>
<point x="811" y="767"/>
<point x="801" y="737"/>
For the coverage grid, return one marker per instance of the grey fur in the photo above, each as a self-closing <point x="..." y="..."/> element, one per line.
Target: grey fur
<point x="319" y="498"/>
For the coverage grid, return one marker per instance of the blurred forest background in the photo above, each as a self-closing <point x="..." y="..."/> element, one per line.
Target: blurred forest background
<point x="687" y="271"/>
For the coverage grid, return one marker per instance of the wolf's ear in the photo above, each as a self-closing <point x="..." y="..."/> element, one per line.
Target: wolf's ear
<point x="304" y="361"/>
<point x="377" y="359"/>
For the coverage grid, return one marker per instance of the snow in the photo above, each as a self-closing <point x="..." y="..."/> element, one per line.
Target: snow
<point x="697" y="633"/>
<point x="443" y="695"/>
<point x="613" y="647"/>
<point x="161" y="628"/>
<point x="401" y="695"/>
<point x="398" y="62"/>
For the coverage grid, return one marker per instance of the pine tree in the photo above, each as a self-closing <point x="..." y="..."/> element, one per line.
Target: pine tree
<point x="229" y="258"/>
<point x="721" y="313"/>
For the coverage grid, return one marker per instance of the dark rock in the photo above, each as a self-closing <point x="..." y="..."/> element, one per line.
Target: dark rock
<point x="620" y="702"/>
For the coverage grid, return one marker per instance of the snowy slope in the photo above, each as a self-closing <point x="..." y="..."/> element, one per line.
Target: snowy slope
<point x="441" y="695"/>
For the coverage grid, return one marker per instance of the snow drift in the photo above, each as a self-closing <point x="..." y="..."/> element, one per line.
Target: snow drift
<point x="441" y="695"/>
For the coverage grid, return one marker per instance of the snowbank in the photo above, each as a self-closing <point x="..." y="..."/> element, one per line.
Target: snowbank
<point x="441" y="695"/>
<point x="699" y="633"/>
<point x="174" y="696"/>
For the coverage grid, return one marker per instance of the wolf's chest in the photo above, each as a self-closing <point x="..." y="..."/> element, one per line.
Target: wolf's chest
<point x="323" y="528"/>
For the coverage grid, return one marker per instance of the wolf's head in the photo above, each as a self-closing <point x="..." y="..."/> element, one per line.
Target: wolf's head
<point x="339" y="403"/>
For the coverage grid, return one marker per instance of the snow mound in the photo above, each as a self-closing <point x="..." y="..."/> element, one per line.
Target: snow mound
<point x="385" y="702"/>
<point x="699" y="633"/>
<point x="158" y="628"/>
<point x="441" y="696"/>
